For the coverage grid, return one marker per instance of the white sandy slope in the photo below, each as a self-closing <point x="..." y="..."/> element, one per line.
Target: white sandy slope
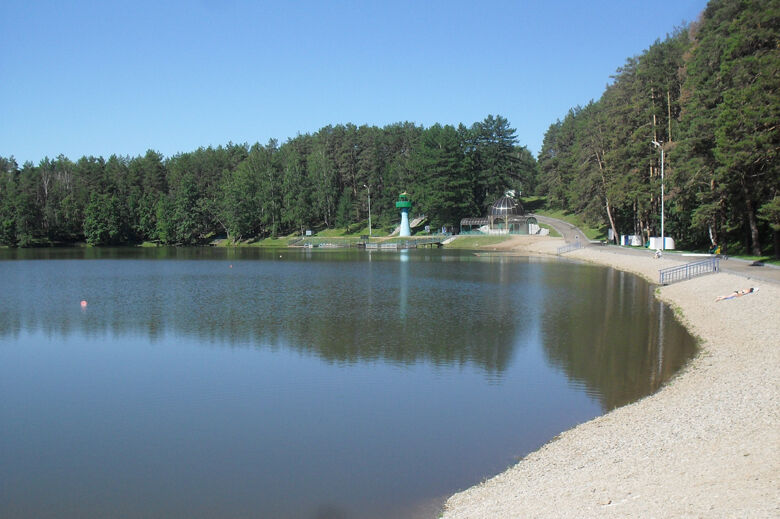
<point x="706" y="445"/>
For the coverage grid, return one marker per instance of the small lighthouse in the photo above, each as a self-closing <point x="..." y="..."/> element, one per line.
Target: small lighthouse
<point x="404" y="205"/>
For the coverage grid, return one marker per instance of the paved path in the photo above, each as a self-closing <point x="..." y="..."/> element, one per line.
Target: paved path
<point x="569" y="232"/>
<point x="735" y="266"/>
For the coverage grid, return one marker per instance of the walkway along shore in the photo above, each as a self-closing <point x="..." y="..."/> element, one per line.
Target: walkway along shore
<point x="706" y="445"/>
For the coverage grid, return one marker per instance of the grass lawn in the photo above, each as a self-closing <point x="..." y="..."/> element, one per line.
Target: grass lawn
<point x="553" y="232"/>
<point x="536" y="205"/>
<point x="271" y="242"/>
<point x="358" y="229"/>
<point x="340" y="231"/>
<point x="591" y="233"/>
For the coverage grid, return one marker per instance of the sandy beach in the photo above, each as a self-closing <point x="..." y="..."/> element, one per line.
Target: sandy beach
<point x="706" y="445"/>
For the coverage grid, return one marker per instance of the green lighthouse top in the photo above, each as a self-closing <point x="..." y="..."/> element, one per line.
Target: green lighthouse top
<point x="403" y="201"/>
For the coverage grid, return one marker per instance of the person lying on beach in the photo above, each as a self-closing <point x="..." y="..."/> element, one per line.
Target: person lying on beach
<point x="737" y="293"/>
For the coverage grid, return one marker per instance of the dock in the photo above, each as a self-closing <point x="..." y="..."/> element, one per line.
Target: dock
<point x="415" y="243"/>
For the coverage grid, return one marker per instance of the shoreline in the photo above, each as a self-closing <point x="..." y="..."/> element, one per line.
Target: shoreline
<point x="706" y="444"/>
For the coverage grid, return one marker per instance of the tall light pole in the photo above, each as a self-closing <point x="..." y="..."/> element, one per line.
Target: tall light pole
<point x="369" y="209"/>
<point x="663" y="240"/>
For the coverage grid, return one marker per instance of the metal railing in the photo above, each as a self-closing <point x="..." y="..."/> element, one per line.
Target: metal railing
<point x="354" y="241"/>
<point x="326" y="241"/>
<point x="569" y="247"/>
<point x="426" y="241"/>
<point x="407" y="244"/>
<point x="688" y="271"/>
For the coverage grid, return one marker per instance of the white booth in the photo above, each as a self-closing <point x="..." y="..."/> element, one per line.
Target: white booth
<point x="655" y="243"/>
<point x="631" y="240"/>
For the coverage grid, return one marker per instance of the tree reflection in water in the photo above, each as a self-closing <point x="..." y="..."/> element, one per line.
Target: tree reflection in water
<point x="598" y="325"/>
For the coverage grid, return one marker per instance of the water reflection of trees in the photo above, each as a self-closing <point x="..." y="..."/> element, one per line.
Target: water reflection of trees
<point x="604" y="328"/>
<point x="486" y="343"/>
<point x="601" y="327"/>
<point x="341" y="316"/>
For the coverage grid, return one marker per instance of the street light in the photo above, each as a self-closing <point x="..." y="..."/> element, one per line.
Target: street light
<point x="369" y="209"/>
<point x="663" y="240"/>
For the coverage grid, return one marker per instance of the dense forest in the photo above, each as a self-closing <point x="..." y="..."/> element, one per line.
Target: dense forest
<point x="241" y="192"/>
<point x="707" y="94"/>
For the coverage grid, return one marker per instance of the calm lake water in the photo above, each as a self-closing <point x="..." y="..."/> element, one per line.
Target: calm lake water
<point x="302" y="384"/>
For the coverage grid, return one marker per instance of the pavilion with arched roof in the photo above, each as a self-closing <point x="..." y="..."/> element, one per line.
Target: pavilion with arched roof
<point x="505" y="216"/>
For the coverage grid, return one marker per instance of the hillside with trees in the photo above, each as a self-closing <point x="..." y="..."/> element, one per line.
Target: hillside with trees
<point x="315" y="181"/>
<point x="709" y="94"/>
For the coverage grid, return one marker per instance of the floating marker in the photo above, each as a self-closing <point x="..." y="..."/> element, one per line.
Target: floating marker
<point x="83" y="304"/>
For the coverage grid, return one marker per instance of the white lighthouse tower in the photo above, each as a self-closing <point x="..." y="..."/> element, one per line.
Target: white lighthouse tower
<point x="404" y="205"/>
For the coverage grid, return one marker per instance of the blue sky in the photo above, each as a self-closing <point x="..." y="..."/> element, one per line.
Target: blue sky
<point x="100" y="77"/>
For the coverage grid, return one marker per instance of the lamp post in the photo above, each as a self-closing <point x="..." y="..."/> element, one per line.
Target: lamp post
<point x="663" y="240"/>
<point x="369" y="210"/>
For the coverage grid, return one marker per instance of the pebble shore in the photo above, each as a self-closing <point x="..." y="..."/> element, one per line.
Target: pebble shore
<point x="707" y="444"/>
